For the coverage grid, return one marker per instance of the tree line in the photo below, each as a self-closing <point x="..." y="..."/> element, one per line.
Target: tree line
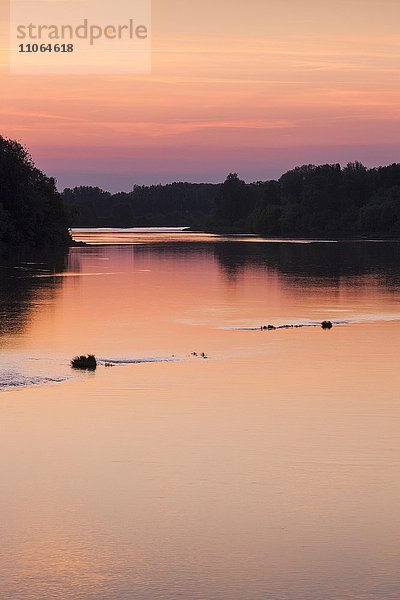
<point x="176" y="204"/>
<point x="309" y="200"/>
<point x="318" y="201"/>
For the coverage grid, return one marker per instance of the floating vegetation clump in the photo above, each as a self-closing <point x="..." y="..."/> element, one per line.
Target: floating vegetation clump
<point x="324" y="325"/>
<point x="86" y="363"/>
<point x="272" y="327"/>
<point x="201" y="355"/>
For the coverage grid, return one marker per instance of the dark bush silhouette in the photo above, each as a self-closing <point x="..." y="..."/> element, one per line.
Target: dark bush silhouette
<point x="326" y="325"/>
<point x="87" y="363"/>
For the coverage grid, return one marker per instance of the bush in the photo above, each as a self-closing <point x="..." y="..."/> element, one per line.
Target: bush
<point x="87" y="363"/>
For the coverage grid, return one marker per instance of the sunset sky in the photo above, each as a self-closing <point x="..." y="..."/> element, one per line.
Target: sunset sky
<point x="255" y="87"/>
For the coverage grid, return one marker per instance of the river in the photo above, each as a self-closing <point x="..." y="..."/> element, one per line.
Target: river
<point x="267" y="469"/>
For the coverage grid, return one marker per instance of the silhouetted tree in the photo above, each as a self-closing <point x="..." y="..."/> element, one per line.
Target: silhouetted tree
<point x="31" y="209"/>
<point x="234" y="202"/>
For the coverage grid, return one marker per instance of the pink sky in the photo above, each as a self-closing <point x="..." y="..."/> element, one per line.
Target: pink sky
<point x="256" y="87"/>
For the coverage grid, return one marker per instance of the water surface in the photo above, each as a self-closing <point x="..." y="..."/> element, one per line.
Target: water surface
<point x="268" y="470"/>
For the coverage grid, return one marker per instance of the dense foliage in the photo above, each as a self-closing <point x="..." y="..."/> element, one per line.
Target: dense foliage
<point x="176" y="204"/>
<point x="31" y="210"/>
<point x="306" y="201"/>
<point x="325" y="200"/>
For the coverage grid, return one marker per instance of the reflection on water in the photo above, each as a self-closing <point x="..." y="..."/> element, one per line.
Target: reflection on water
<point x="266" y="471"/>
<point x="316" y="259"/>
<point x="142" y="301"/>
<point x="20" y="292"/>
<point x="21" y="295"/>
<point x="307" y="258"/>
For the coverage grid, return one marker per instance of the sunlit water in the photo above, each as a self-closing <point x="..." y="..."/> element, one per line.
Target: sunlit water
<point x="268" y="470"/>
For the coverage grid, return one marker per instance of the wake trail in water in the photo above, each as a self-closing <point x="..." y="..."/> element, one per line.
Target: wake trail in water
<point x="136" y="360"/>
<point x="18" y="380"/>
<point x="367" y="319"/>
<point x="14" y="379"/>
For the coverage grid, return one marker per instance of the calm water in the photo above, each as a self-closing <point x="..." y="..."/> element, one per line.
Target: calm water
<point x="267" y="471"/>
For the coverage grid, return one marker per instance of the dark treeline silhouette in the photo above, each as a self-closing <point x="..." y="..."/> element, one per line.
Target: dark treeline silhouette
<point x="306" y="201"/>
<point x="176" y="204"/>
<point x="31" y="210"/>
